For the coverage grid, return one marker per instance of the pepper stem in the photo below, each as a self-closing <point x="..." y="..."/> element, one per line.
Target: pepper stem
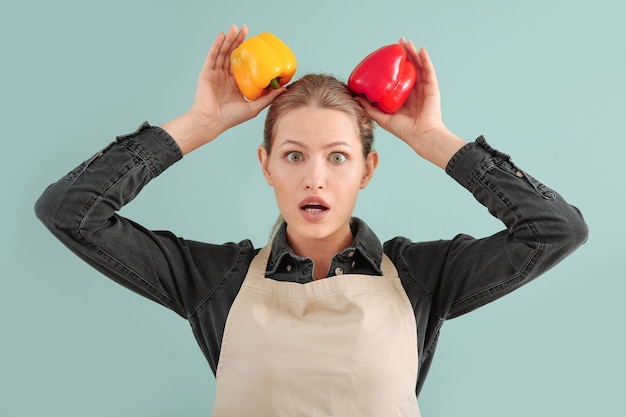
<point x="274" y="83"/>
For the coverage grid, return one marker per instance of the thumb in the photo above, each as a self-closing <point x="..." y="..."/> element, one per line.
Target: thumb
<point x="266" y="99"/>
<point x="376" y="114"/>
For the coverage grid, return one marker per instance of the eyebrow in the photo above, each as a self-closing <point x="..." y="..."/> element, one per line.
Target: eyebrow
<point x="303" y="145"/>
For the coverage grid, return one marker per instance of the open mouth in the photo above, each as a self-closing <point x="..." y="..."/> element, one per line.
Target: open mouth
<point x="313" y="208"/>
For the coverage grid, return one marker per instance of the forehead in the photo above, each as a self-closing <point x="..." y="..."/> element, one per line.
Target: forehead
<point x="316" y="126"/>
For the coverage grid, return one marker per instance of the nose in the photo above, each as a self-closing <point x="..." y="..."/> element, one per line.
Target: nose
<point x="315" y="175"/>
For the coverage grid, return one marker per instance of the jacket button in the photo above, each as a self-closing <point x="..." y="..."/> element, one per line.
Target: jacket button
<point x="288" y="268"/>
<point x="338" y="271"/>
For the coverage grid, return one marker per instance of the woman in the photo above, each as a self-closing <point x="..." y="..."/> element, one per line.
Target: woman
<point x="325" y="320"/>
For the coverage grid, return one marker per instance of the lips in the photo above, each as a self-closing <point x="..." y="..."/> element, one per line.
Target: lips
<point x="313" y="208"/>
<point x="313" y="204"/>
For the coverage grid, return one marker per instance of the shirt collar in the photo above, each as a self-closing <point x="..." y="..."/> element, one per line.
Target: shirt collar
<point x="365" y="242"/>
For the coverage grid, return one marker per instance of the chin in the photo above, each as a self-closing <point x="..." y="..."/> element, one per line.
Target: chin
<point x="318" y="230"/>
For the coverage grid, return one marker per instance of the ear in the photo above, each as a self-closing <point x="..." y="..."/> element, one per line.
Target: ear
<point x="371" y="162"/>
<point x="264" y="161"/>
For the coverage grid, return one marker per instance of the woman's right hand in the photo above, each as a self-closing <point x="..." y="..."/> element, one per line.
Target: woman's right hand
<point x="218" y="103"/>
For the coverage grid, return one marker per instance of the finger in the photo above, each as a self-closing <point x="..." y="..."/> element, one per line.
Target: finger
<point x="369" y="107"/>
<point x="211" y="58"/>
<point x="223" y="56"/>
<point x="376" y="114"/>
<point x="266" y="99"/>
<point x="428" y="68"/>
<point x="413" y="53"/>
<point x="238" y="40"/>
<point x="241" y="36"/>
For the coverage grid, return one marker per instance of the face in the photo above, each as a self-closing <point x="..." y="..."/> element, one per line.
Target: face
<point x="317" y="168"/>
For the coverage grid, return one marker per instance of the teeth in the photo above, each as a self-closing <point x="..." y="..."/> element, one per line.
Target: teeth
<point x="313" y="207"/>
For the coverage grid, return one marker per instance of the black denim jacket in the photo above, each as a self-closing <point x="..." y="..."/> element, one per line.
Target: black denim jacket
<point x="199" y="281"/>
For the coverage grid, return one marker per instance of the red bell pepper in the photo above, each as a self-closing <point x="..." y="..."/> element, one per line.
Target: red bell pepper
<point x="385" y="77"/>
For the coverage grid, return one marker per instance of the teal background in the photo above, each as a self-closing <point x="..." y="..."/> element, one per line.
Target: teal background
<point x="542" y="80"/>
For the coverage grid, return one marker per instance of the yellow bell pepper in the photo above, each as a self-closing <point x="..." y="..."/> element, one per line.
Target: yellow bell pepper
<point x="260" y="62"/>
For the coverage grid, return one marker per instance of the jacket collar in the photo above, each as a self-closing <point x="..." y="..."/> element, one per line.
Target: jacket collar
<point x="365" y="242"/>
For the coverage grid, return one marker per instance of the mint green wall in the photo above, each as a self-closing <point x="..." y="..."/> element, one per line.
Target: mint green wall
<point x="542" y="80"/>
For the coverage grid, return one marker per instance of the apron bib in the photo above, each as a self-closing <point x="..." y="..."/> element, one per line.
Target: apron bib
<point x="340" y="346"/>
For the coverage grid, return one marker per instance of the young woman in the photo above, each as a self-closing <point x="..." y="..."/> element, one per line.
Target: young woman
<point x="325" y="320"/>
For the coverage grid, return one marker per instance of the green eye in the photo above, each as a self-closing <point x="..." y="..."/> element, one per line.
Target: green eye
<point x="338" y="158"/>
<point x="294" y="157"/>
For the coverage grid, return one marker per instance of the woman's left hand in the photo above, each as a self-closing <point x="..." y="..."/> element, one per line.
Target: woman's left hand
<point x="419" y="122"/>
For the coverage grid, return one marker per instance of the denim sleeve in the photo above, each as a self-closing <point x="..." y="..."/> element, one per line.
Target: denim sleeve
<point x="464" y="273"/>
<point x="81" y="211"/>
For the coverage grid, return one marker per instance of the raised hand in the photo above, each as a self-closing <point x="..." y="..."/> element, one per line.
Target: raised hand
<point x="419" y="121"/>
<point x="218" y="104"/>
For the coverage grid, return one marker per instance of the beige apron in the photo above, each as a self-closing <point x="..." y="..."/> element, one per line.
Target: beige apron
<point x="341" y="346"/>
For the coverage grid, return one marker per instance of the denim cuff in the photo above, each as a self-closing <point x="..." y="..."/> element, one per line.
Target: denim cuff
<point x="153" y="145"/>
<point x="470" y="163"/>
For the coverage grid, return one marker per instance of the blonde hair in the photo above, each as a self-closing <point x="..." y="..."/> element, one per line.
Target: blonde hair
<point x="318" y="91"/>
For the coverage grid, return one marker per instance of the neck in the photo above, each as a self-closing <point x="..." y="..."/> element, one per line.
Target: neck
<point x="321" y="250"/>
